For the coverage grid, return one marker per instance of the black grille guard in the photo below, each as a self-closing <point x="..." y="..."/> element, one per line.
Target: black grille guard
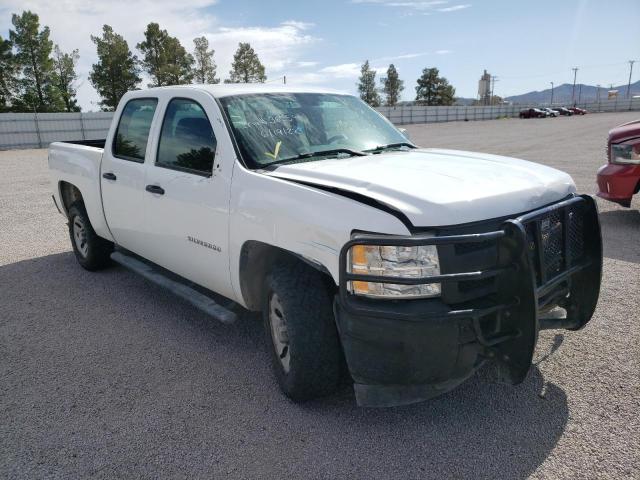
<point x="540" y="264"/>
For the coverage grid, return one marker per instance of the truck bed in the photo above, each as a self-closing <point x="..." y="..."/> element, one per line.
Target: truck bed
<point x="78" y="163"/>
<point x="99" y="143"/>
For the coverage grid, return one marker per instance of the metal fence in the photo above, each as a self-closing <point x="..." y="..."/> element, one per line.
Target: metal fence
<point x="37" y="130"/>
<point x="407" y="114"/>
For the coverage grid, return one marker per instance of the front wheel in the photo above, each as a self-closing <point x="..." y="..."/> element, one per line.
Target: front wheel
<point x="301" y="332"/>
<point x="91" y="251"/>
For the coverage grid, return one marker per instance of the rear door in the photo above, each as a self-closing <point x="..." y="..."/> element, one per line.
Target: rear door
<point x="186" y="194"/>
<point x="123" y="172"/>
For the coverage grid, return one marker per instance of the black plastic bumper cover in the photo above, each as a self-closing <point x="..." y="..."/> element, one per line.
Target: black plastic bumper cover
<point x="401" y="352"/>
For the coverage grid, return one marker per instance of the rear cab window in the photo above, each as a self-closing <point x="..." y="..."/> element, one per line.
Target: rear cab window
<point x="187" y="142"/>
<point x="132" y="134"/>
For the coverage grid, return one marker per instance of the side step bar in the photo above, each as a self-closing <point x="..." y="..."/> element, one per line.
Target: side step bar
<point x="185" y="292"/>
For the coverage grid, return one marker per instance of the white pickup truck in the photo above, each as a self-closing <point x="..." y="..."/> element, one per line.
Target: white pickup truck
<point x="412" y="266"/>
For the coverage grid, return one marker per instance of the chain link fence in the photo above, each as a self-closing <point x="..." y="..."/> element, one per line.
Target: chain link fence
<point x="38" y="130"/>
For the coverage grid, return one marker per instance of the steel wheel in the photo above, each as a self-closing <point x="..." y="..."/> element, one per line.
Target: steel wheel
<point x="80" y="236"/>
<point x="279" y="334"/>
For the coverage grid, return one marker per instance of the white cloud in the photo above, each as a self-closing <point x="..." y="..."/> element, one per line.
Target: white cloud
<point x="306" y="64"/>
<point x="443" y="52"/>
<point x="299" y="25"/>
<point x="454" y="8"/>
<point x="418" y="6"/>
<point x="344" y="70"/>
<point x="73" y="21"/>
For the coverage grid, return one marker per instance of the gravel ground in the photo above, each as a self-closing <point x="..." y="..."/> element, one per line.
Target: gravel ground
<point x="105" y="375"/>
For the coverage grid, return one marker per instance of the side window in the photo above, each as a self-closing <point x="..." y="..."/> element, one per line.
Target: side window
<point x="187" y="141"/>
<point x="130" y="142"/>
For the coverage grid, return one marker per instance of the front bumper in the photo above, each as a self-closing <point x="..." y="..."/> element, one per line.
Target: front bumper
<point x="618" y="183"/>
<point x="401" y="352"/>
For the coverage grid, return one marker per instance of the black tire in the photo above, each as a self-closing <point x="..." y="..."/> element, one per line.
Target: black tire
<point x="315" y="356"/>
<point x="95" y="252"/>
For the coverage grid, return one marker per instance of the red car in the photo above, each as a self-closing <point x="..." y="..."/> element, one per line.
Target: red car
<point x="578" y="111"/>
<point x="619" y="180"/>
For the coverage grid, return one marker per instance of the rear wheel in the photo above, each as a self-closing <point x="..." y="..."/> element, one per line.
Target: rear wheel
<point x="91" y="251"/>
<point x="301" y="332"/>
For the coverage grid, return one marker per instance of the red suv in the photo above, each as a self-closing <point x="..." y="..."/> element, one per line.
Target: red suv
<point x="619" y="180"/>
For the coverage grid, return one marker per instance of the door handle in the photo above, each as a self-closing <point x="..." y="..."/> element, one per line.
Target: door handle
<point x="157" y="189"/>
<point x="109" y="176"/>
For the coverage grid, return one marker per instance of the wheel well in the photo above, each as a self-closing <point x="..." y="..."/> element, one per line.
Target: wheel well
<point x="69" y="194"/>
<point x="256" y="261"/>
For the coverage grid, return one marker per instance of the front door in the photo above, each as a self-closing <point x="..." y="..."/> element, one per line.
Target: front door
<point x="123" y="173"/>
<point x="186" y="194"/>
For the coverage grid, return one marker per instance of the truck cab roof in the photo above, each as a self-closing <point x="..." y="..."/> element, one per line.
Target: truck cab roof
<point x="228" y="89"/>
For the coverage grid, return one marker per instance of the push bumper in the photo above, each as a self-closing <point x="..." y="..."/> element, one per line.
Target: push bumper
<point x="401" y="352"/>
<point x="618" y="183"/>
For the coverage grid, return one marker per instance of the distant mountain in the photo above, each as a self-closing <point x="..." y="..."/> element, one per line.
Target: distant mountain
<point x="562" y="94"/>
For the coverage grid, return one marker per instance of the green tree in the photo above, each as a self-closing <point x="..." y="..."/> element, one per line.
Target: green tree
<point x="164" y="58"/>
<point x="367" y="85"/>
<point x="152" y="49"/>
<point x="33" y="55"/>
<point x="8" y="74"/>
<point x="246" y="66"/>
<point x="64" y="77"/>
<point x="178" y="67"/>
<point x="433" y="89"/>
<point x="117" y="69"/>
<point x="205" y="70"/>
<point x="393" y="86"/>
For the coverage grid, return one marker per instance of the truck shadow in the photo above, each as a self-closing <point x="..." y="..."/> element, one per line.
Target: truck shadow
<point x="619" y="230"/>
<point x="108" y="351"/>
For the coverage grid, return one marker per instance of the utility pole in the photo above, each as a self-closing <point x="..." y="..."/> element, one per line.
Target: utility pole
<point x="551" y="102"/>
<point x="573" y="91"/>
<point x="579" y="92"/>
<point x="494" y="79"/>
<point x="598" y="93"/>
<point x="284" y="79"/>
<point x="631" y="62"/>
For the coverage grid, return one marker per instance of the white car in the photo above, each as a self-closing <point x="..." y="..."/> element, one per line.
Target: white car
<point x="550" y="112"/>
<point x="415" y="266"/>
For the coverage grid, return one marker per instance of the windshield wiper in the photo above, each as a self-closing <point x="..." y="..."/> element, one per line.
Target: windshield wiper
<point x="380" y="148"/>
<point x="319" y="153"/>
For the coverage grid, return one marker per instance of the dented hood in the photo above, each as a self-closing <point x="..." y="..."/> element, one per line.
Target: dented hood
<point x="436" y="187"/>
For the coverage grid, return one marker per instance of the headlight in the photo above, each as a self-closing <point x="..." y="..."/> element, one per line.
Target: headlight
<point x="626" y="152"/>
<point x="394" y="261"/>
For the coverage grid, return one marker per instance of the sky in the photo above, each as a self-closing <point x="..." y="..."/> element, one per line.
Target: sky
<point x="526" y="44"/>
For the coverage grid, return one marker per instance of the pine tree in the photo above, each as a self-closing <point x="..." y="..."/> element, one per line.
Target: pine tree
<point x="152" y="49"/>
<point x="164" y="58"/>
<point x="433" y="89"/>
<point x="33" y="56"/>
<point x="205" y="70"/>
<point x="246" y="67"/>
<point x="367" y="85"/>
<point x="393" y="86"/>
<point x="64" y="77"/>
<point x="178" y="67"/>
<point x="117" y="69"/>
<point x="8" y="74"/>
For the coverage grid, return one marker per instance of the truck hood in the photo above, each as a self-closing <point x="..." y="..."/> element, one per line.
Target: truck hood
<point x="436" y="187"/>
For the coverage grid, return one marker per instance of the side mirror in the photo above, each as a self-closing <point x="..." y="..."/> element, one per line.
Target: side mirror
<point x="405" y="133"/>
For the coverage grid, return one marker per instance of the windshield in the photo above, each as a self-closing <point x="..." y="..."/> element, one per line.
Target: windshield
<point x="280" y="127"/>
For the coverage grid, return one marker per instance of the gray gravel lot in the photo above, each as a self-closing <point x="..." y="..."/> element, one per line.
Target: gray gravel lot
<point x="105" y="375"/>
